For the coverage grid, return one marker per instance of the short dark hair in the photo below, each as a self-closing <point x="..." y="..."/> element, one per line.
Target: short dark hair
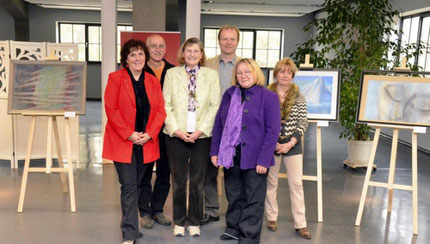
<point x="131" y="45"/>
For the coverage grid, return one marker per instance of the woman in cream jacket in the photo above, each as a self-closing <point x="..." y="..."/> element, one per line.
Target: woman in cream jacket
<point x="192" y="98"/>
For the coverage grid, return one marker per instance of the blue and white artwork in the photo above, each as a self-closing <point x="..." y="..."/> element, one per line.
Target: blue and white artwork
<point x="397" y="101"/>
<point x="320" y="89"/>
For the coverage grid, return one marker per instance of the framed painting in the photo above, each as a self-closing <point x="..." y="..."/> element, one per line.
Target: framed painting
<point x="321" y="90"/>
<point x="397" y="100"/>
<point x="47" y="87"/>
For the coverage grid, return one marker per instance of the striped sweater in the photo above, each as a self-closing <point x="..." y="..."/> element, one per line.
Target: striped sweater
<point x="294" y="125"/>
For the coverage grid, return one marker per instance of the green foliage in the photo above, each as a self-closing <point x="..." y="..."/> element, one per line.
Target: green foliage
<point x="352" y="37"/>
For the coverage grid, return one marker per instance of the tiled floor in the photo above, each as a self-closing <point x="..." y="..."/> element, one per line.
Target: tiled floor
<point x="47" y="217"/>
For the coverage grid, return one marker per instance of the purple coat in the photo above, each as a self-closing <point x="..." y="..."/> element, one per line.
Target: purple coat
<point x="261" y="122"/>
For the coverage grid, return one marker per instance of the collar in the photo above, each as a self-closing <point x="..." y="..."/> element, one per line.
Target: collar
<point x="251" y="90"/>
<point x="141" y="77"/>
<point x="233" y="61"/>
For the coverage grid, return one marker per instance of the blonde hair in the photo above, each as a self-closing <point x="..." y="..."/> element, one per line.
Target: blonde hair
<point x="256" y="71"/>
<point x="229" y="27"/>
<point x="191" y="41"/>
<point x="282" y="64"/>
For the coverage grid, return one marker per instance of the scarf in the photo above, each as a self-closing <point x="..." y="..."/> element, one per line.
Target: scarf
<point x="192" y="99"/>
<point x="290" y="98"/>
<point x="230" y="134"/>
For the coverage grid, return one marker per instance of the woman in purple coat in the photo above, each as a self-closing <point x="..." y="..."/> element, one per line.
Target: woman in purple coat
<point x="244" y="138"/>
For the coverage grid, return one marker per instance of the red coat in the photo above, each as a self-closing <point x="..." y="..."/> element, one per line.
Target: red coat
<point x="120" y="106"/>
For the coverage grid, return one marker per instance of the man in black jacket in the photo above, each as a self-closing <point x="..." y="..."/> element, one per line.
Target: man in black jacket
<point x="151" y="202"/>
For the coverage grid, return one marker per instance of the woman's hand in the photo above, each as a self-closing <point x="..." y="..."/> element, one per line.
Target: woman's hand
<point x="214" y="160"/>
<point x="278" y="147"/>
<point x="143" y="139"/>
<point x="194" y="136"/>
<point x="261" y="170"/>
<point x="135" y="136"/>
<point x="181" y="135"/>
<point x="285" y="147"/>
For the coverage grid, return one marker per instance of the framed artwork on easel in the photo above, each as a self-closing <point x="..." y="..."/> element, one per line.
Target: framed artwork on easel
<point x="48" y="87"/>
<point x="394" y="100"/>
<point x="321" y="90"/>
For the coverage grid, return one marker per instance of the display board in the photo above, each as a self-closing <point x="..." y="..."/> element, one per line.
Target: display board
<point x="395" y="100"/>
<point x="172" y="39"/>
<point x="49" y="87"/>
<point x="321" y="90"/>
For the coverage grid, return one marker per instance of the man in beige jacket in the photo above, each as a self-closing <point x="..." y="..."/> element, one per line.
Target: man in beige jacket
<point x="228" y="39"/>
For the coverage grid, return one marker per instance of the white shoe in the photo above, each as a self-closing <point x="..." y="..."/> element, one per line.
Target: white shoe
<point x="194" y="230"/>
<point x="128" y="242"/>
<point x="178" y="230"/>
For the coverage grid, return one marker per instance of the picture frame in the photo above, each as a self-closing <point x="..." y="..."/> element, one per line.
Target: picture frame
<point x="394" y="100"/>
<point x="321" y="88"/>
<point x="47" y="87"/>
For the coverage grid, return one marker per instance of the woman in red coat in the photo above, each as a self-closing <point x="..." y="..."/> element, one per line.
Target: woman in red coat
<point x="135" y="110"/>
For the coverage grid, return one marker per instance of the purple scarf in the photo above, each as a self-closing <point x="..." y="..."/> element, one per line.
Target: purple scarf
<point x="192" y="99"/>
<point x="230" y="135"/>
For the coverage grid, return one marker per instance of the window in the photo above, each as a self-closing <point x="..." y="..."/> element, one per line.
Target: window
<point x="118" y="36"/>
<point x="89" y="39"/>
<point x="262" y="45"/>
<point x="416" y="29"/>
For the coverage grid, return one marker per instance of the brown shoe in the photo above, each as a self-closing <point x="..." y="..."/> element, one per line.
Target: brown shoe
<point x="272" y="225"/>
<point x="304" y="232"/>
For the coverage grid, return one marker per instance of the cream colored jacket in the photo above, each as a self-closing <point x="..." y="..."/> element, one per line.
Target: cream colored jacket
<point x="175" y="93"/>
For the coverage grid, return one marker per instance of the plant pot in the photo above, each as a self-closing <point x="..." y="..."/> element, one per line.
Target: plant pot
<point x="358" y="153"/>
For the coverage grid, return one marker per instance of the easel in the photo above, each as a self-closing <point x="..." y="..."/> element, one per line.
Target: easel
<point x="52" y="123"/>
<point x="318" y="177"/>
<point x="48" y="169"/>
<point x="49" y="131"/>
<point x="390" y="185"/>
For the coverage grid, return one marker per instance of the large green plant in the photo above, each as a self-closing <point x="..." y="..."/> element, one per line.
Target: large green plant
<point x="352" y="37"/>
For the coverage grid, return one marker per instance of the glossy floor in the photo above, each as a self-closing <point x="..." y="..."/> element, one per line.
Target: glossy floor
<point x="47" y="217"/>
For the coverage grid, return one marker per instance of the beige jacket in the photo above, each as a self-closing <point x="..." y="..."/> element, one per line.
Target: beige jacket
<point x="175" y="93"/>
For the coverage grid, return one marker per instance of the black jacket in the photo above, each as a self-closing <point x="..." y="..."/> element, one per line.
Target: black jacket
<point x="167" y="66"/>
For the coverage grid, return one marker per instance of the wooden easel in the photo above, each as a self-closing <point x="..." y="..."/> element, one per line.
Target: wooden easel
<point x="390" y="185"/>
<point x="49" y="129"/>
<point x="318" y="177"/>
<point x="48" y="168"/>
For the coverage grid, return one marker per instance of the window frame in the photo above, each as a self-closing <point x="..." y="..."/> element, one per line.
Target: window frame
<point x="420" y="28"/>
<point x="254" y="47"/>
<point x="87" y="25"/>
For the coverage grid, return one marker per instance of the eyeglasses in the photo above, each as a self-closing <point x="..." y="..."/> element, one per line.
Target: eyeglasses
<point x="246" y="73"/>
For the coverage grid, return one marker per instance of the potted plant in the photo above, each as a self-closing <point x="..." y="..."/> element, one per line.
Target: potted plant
<point x="353" y="36"/>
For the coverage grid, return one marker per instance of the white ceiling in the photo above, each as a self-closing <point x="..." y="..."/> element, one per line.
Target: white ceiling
<point x="228" y="7"/>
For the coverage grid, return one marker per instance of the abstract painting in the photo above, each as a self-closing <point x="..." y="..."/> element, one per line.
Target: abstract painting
<point x="47" y="87"/>
<point x="321" y="90"/>
<point x="395" y="100"/>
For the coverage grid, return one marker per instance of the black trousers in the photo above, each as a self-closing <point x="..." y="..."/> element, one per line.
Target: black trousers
<point x="211" y="192"/>
<point x="151" y="201"/>
<point x="246" y="192"/>
<point x="188" y="161"/>
<point x="130" y="177"/>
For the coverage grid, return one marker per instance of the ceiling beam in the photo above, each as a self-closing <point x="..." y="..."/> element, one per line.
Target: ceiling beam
<point x="16" y="8"/>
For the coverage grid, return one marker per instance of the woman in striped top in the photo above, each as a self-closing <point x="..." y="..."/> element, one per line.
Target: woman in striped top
<point x="288" y="149"/>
